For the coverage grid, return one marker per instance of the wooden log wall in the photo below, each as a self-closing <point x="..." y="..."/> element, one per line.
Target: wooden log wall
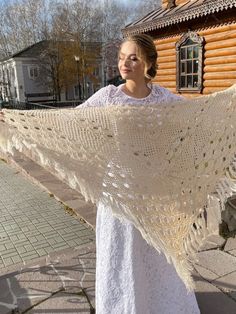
<point x="164" y="3"/>
<point x="219" y="59"/>
<point x="166" y="71"/>
<point x="177" y="2"/>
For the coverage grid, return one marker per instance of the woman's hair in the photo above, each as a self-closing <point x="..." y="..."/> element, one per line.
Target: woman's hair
<point x="147" y="52"/>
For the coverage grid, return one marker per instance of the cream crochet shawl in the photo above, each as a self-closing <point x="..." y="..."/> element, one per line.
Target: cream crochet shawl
<point x="167" y="168"/>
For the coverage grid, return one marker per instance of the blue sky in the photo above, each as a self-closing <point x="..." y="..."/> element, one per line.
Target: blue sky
<point x="127" y="1"/>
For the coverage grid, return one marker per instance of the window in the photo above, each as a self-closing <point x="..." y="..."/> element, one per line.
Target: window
<point x="96" y="71"/>
<point x="33" y="72"/>
<point x="77" y="91"/>
<point x="189" y="63"/>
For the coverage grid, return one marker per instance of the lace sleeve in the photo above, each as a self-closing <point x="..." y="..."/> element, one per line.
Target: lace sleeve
<point x="165" y="95"/>
<point x="98" y="99"/>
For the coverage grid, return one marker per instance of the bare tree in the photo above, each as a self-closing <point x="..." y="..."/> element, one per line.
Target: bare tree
<point x="23" y="23"/>
<point x="77" y="22"/>
<point x="141" y="8"/>
<point x="57" y="66"/>
<point x="115" y="17"/>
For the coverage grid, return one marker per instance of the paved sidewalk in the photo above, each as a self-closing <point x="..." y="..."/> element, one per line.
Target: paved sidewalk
<point x="47" y="252"/>
<point x="215" y="276"/>
<point x="32" y="223"/>
<point x="63" y="281"/>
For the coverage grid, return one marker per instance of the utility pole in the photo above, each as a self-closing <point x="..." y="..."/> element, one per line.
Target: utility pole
<point x="77" y="60"/>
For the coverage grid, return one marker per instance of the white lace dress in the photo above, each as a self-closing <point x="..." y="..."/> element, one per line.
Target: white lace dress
<point x="132" y="277"/>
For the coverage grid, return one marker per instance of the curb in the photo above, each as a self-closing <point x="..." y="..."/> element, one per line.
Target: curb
<point x="73" y="201"/>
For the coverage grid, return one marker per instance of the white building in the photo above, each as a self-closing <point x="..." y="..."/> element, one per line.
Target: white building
<point x="22" y="80"/>
<point x="19" y="76"/>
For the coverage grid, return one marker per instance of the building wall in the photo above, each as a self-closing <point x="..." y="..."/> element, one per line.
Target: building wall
<point x="8" y="80"/>
<point x="19" y="81"/>
<point x="219" y="58"/>
<point x="178" y="2"/>
<point x="34" y="89"/>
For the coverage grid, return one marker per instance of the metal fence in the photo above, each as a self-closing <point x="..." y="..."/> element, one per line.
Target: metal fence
<point x="12" y="104"/>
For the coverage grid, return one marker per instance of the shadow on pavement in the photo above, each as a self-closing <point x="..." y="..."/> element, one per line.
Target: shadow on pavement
<point x="65" y="284"/>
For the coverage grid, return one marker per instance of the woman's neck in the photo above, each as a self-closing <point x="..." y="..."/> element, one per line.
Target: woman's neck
<point x="136" y="90"/>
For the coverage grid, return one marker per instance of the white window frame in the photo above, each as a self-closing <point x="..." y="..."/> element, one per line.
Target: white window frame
<point x="33" y="72"/>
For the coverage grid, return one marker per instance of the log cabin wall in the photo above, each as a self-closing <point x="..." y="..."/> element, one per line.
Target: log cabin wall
<point x="212" y="20"/>
<point x="164" y="3"/>
<point x="219" y="58"/>
<point x="177" y="2"/>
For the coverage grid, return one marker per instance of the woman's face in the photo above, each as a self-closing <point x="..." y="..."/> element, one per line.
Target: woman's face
<point x="131" y="67"/>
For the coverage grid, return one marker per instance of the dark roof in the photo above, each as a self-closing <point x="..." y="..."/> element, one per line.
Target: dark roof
<point x="32" y="51"/>
<point x="36" y="49"/>
<point x="163" y="17"/>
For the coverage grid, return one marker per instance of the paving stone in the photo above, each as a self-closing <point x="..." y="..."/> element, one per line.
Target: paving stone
<point x="9" y="245"/>
<point x="227" y="284"/>
<point x="233" y="252"/>
<point x="62" y="303"/>
<point x="3" y="249"/>
<point x="39" y="245"/>
<point x="90" y="292"/>
<point x="212" y="301"/>
<point x="41" y="252"/>
<point x="7" y="298"/>
<point x="48" y="249"/>
<point x="30" y="257"/>
<point x="68" y="237"/>
<point x="28" y="247"/>
<point x="205" y="273"/>
<point x="212" y="242"/>
<point x="13" y="239"/>
<point x="60" y="246"/>
<point x="29" y="287"/>
<point x="23" y="255"/>
<point x="230" y="244"/>
<point x="71" y="270"/>
<point x="217" y="261"/>
<point x="32" y="239"/>
<point x="8" y="261"/>
<point x="75" y="267"/>
<point x="9" y="253"/>
<point x="52" y="241"/>
<point x="72" y="243"/>
<point x="21" y="249"/>
<point x="16" y="259"/>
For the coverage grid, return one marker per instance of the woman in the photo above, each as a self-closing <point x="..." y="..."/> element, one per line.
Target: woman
<point x="131" y="277"/>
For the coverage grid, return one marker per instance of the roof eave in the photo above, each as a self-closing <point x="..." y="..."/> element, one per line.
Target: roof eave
<point x="210" y="7"/>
